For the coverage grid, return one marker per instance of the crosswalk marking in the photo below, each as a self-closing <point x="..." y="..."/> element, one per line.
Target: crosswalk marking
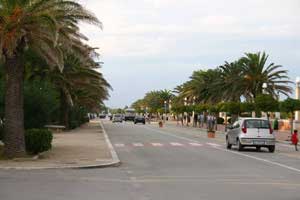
<point x="157" y="144"/>
<point x="213" y="144"/>
<point x="176" y="144"/>
<point x="195" y="144"/>
<point x="119" y="145"/>
<point x="138" y="144"/>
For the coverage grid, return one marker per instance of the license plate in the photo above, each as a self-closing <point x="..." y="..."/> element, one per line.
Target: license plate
<point x="259" y="142"/>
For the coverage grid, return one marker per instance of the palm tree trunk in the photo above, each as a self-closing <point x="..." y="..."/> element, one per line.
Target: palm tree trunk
<point x="14" y="108"/>
<point x="64" y="108"/>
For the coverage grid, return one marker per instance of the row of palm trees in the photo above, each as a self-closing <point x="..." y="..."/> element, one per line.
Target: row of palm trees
<point x="50" y="30"/>
<point x="243" y="79"/>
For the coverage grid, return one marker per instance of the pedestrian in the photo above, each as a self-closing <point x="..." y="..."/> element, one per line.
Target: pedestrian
<point x="295" y="139"/>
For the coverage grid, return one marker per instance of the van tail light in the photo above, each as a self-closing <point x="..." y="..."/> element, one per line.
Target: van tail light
<point x="244" y="128"/>
<point x="271" y="130"/>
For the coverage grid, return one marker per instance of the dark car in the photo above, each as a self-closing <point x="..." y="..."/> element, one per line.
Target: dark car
<point x="139" y="119"/>
<point x="102" y="116"/>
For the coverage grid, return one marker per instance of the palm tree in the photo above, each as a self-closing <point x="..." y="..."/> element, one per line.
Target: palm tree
<point x="256" y="72"/>
<point x="46" y="27"/>
<point x="231" y="82"/>
<point x="203" y="86"/>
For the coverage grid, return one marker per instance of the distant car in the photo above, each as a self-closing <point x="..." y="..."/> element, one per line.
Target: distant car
<point x="139" y="119"/>
<point x="129" y="114"/>
<point x="117" y="118"/>
<point x="102" y="116"/>
<point x="251" y="132"/>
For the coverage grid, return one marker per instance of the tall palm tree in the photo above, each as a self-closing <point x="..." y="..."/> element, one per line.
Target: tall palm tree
<point x="256" y="72"/>
<point x="202" y="85"/>
<point x="230" y="83"/>
<point x="46" y="27"/>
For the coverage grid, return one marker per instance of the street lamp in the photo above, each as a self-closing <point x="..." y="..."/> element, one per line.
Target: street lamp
<point x="165" y="103"/>
<point x="185" y="101"/>
<point x="264" y="86"/>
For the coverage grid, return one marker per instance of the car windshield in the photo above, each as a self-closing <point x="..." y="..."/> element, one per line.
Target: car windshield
<point x="256" y="123"/>
<point x="117" y="115"/>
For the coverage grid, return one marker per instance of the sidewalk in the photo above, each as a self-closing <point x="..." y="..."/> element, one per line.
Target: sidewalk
<point x="281" y="136"/>
<point x="84" y="147"/>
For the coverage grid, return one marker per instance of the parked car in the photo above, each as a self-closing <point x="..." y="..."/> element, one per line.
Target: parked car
<point x="251" y="132"/>
<point x="102" y="116"/>
<point x="139" y="119"/>
<point x="117" y="118"/>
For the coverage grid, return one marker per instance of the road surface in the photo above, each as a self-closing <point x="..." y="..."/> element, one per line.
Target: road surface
<point x="169" y="163"/>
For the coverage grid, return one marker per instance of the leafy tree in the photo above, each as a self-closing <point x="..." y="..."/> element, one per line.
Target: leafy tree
<point x="256" y="72"/>
<point x="266" y="103"/>
<point x="290" y="106"/>
<point x="49" y="28"/>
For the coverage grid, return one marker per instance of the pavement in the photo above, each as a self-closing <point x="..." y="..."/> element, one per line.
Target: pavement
<point x="84" y="147"/>
<point x="166" y="163"/>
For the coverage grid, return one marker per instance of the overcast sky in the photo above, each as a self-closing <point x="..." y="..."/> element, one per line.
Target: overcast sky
<point x="157" y="44"/>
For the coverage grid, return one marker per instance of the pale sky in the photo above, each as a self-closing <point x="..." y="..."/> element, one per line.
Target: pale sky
<point x="157" y="44"/>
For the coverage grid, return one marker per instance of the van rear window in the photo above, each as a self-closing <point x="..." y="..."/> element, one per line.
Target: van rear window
<point x="256" y="123"/>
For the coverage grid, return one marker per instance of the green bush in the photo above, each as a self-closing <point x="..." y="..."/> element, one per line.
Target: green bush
<point x="220" y="120"/>
<point x="1" y="132"/>
<point x="38" y="140"/>
<point x="74" y="124"/>
<point x="275" y="124"/>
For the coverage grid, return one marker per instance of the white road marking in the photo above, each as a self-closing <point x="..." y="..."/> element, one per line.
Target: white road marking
<point x="261" y="159"/>
<point x="119" y="145"/>
<point x="157" y="144"/>
<point x="138" y="144"/>
<point x="176" y="144"/>
<point x="213" y="144"/>
<point x="229" y="151"/>
<point x="195" y="144"/>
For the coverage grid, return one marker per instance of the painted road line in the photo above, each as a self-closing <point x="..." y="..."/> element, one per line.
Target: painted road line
<point x="213" y="144"/>
<point x="119" y="145"/>
<point x="157" y="144"/>
<point x="195" y="144"/>
<point x="176" y="144"/>
<point x="230" y="151"/>
<point x="138" y="144"/>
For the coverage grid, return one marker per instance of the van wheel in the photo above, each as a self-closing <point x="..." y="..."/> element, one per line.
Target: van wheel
<point x="271" y="148"/>
<point x="228" y="145"/>
<point x="239" y="145"/>
<point x="257" y="148"/>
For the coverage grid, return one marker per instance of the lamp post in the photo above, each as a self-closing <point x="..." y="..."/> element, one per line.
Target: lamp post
<point x="184" y="114"/>
<point x="193" y="114"/>
<point x="165" y="106"/>
<point x="264" y="87"/>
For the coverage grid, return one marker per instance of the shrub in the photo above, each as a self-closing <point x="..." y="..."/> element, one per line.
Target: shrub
<point x="220" y="120"/>
<point x="275" y="124"/>
<point x="1" y="132"/>
<point x="74" y="124"/>
<point x="38" y="140"/>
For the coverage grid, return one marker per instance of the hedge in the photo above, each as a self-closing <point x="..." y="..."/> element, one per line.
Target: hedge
<point x="38" y="140"/>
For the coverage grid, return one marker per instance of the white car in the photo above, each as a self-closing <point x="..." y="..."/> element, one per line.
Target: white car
<point x="117" y="118"/>
<point x="255" y="132"/>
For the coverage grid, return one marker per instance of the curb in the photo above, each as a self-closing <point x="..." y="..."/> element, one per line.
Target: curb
<point x="113" y="152"/>
<point x="114" y="163"/>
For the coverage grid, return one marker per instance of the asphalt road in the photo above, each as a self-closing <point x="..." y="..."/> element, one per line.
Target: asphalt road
<point x="168" y="163"/>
